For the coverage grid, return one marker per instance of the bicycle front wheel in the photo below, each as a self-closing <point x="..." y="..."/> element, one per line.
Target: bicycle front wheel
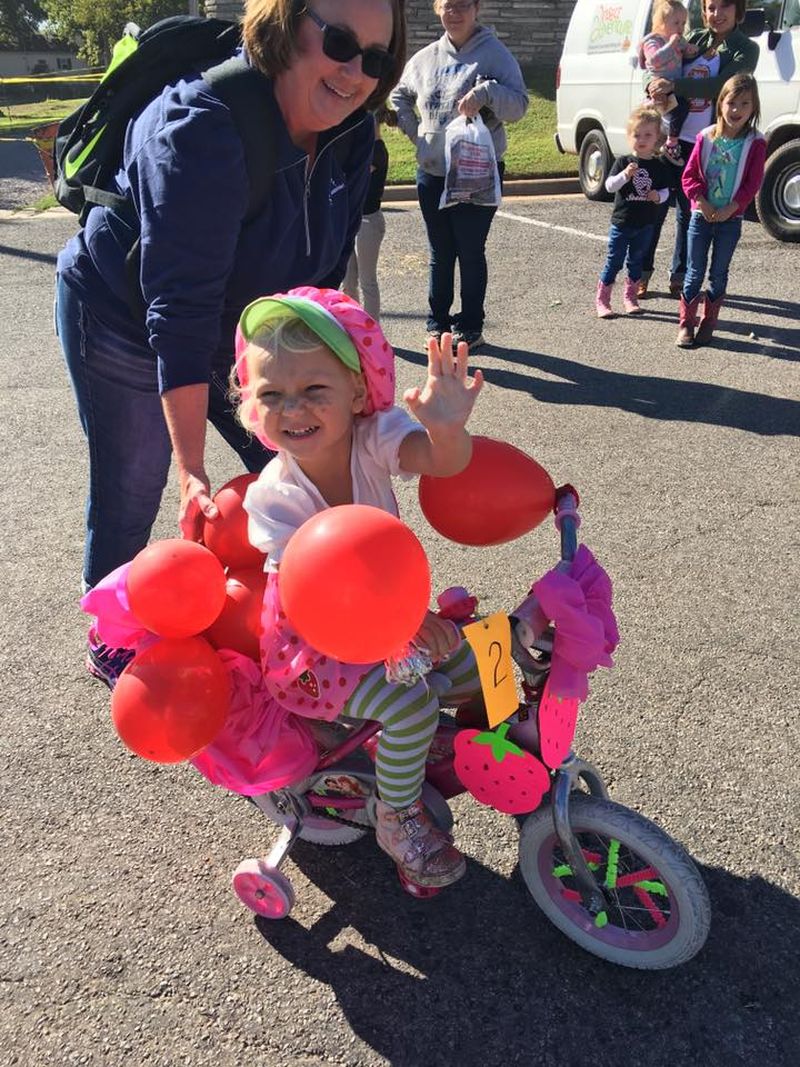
<point x="657" y="911"/>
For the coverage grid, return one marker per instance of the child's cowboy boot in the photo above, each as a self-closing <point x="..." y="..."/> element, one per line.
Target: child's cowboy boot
<point x="423" y="853"/>
<point x="708" y="320"/>
<point x="602" y="301"/>
<point x="687" y="321"/>
<point x="629" y="300"/>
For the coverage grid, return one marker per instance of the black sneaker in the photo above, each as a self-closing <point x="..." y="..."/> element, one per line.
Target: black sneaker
<point x="474" y="338"/>
<point x="104" y="662"/>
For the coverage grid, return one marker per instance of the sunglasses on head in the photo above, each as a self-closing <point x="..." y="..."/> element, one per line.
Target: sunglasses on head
<point x="341" y="45"/>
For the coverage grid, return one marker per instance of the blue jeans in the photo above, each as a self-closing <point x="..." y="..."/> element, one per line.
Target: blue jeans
<point x="721" y="239"/>
<point x="683" y="214"/>
<point x="457" y="234"/>
<point x="115" y="383"/>
<point x="622" y="242"/>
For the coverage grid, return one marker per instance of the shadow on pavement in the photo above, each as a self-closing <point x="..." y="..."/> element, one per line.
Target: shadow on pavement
<point x="669" y="399"/>
<point x="478" y="975"/>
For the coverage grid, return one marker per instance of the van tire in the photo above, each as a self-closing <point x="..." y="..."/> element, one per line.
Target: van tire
<point x="594" y="165"/>
<point x="778" y="199"/>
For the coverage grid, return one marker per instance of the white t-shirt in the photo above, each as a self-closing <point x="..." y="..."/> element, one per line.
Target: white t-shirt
<point x="282" y="497"/>
<point x="701" y="110"/>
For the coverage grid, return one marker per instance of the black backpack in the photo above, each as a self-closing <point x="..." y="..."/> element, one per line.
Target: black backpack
<point x="89" y="143"/>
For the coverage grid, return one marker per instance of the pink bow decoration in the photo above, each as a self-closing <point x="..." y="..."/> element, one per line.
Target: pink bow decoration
<point x="115" y="623"/>
<point x="579" y="603"/>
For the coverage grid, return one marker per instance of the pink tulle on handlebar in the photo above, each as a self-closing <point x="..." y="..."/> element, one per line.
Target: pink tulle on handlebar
<point x="578" y="601"/>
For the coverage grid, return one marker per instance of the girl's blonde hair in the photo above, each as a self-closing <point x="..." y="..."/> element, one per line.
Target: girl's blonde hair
<point x="645" y="113"/>
<point x="662" y="8"/>
<point x="269" y="31"/>
<point x="289" y="334"/>
<point x="739" y="83"/>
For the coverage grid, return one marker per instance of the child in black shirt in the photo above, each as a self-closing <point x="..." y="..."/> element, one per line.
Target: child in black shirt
<point x="640" y="181"/>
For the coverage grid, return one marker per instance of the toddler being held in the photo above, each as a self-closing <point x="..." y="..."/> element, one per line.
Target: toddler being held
<point x="662" y="53"/>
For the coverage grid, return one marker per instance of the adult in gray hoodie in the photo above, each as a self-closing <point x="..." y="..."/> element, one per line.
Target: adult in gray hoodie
<point x="467" y="71"/>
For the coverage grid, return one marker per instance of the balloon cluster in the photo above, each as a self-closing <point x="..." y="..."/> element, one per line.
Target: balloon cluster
<point x="172" y="699"/>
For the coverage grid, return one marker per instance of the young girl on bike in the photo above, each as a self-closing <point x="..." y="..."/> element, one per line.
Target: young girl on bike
<point x="721" y="178"/>
<point x="316" y="379"/>
<point x="640" y="181"/>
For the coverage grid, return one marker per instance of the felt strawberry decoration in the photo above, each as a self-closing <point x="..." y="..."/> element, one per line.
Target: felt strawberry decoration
<point x="307" y="681"/>
<point x="499" y="773"/>
<point x="557" y="719"/>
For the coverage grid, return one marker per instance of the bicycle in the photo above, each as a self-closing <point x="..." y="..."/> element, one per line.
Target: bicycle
<point x="607" y="877"/>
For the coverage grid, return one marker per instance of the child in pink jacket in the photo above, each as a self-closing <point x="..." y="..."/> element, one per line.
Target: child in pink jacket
<point x="721" y="178"/>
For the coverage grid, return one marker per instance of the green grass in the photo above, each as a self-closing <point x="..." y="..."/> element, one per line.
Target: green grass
<point x="20" y="119"/>
<point x="531" y="151"/>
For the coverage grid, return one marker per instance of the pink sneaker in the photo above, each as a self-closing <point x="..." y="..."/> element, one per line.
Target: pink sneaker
<point x="423" y="853"/>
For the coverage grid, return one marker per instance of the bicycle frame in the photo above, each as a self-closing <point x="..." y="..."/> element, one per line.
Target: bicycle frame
<point x="530" y="634"/>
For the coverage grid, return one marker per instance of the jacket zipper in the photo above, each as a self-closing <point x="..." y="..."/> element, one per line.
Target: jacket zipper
<point x="310" y="173"/>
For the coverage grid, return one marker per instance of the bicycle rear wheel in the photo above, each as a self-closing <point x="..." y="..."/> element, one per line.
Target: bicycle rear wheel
<point x="657" y="908"/>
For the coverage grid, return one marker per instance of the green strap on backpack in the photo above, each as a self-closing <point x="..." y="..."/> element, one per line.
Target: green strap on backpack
<point x="89" y="142"/>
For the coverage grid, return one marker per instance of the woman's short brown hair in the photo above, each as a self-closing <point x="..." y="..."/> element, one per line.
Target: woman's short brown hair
<point x="740" y="5"/>
<point x="269" y="31"/>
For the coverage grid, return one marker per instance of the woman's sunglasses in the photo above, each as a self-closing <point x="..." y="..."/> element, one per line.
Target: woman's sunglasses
<point x="341" y="45"/>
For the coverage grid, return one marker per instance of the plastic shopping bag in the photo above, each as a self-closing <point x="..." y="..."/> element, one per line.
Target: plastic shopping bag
<point x="470" y="165"/>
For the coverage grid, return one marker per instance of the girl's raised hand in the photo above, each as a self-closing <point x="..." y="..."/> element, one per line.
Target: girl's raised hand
<point x="446" y="400"/>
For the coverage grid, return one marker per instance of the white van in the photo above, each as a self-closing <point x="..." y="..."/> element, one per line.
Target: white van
<point x="599" y="82"/>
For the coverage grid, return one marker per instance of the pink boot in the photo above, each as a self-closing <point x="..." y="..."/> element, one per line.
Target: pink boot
<point x="629" y="297"/>
<point x="602" y="301"/>
<point x="424" y="854"/>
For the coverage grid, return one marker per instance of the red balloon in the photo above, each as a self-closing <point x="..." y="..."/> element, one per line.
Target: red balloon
<point x="239" y="623"/>
<point x="355" y="583"/>
<point x="500" y="495"/>
<point x="176" y="588"/>
<point x="226" y="535"/>
<point x="171" y="700"/>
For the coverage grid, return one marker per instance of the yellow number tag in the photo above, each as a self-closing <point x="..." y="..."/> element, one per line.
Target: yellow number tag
<point x="490" y="640"/>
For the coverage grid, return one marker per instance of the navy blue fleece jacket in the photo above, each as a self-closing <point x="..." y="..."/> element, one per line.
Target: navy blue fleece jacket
<point x="184" y="167"/>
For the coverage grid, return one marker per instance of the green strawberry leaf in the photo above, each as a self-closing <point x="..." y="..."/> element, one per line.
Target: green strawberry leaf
<point x="496" y="740"/>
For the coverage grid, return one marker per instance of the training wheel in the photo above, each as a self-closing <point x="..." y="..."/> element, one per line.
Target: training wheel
<point x="263" y="889"/>
<point x="421" y="892"/>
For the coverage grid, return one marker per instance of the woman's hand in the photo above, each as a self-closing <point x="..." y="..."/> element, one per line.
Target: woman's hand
<point x="445" y="402"/>
<point x="659" y="87"/>
<point x="438" y="637"/>
<point x="196" y="505"/>
<point x="468" y="105"/>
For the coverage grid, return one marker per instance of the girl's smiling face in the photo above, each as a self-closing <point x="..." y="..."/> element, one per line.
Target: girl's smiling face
<point x="316" y="93"/>
<point x="305" y="402"/>
<point x="736" y="110"/>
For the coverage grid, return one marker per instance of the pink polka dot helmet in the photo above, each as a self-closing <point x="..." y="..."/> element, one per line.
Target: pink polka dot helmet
<point x="341" y="324"/>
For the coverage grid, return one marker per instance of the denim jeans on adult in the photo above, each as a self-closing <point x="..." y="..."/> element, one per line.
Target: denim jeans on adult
<point x="624" y="241"/>
<point x="721" y="239"/>
<point x="683" y="213"/>
<point x="456" y="234"/>
<point x="116" y="388"/>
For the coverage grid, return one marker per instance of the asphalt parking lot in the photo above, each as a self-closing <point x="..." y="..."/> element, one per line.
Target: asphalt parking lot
<point x="121" y="940"/>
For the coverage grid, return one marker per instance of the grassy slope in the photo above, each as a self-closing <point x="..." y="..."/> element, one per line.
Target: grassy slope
<point x="531" y="151"/>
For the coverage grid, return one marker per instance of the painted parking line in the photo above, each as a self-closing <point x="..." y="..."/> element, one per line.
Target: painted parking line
<point x="553" y="226"/>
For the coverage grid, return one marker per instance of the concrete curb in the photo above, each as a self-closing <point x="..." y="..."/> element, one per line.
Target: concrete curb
<point x="516" y="187"/>
<point x="392" y="193"/>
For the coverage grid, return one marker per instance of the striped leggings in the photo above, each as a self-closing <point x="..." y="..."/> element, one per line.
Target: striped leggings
<point x="409" y="716"/>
